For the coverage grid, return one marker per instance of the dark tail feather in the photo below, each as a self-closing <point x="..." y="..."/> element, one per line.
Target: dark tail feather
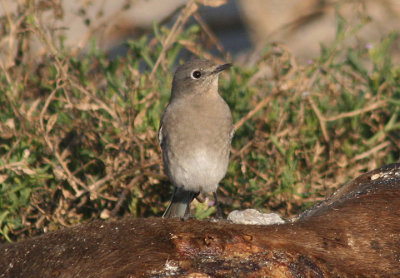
<point x="179" y="205"/>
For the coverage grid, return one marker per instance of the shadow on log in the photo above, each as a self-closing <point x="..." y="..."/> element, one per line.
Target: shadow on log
<point x="354" y="233"/>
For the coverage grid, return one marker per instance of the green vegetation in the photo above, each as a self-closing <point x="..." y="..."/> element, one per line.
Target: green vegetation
<point x="78" y="133"/>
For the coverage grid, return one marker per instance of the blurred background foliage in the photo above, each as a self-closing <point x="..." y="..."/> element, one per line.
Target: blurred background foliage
<point x="78" y="131"/>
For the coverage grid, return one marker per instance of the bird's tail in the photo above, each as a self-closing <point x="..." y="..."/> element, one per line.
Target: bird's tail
<point x="179" y="205"/>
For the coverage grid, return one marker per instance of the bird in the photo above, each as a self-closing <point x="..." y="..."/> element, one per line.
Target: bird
<point x="195" y="134"/>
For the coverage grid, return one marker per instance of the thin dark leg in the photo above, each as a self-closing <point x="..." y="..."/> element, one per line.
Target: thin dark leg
<point x="187" y="213"/>
<point x="219" y="211"/>
<point x="200" y="198"/>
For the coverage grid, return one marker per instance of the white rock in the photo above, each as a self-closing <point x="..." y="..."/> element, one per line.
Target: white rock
<point x="254" y="217"/>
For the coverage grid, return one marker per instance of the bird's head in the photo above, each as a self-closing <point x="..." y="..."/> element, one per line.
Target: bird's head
<point x="196" y="77"/>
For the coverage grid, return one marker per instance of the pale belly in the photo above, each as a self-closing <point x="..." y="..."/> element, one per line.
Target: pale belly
<point x="198" y="169"/>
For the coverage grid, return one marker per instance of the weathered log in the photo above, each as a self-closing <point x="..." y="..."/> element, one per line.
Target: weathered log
<point x="355" y="233"/>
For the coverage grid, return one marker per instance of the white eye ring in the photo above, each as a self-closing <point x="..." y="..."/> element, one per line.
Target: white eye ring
<point x="196" y="74"/>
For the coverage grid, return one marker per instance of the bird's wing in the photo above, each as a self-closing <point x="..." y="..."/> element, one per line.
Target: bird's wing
<point x="232" y="132"/>
<point x="160" y="134"/>
<point x="160" y="129"/>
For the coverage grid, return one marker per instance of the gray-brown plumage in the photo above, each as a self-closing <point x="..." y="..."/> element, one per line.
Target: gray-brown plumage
<point x="195" y="134"/>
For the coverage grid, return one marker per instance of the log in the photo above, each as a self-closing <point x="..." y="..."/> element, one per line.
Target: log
<point x="354" y="233"/>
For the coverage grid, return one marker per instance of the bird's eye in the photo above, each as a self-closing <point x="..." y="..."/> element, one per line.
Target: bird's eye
<point x="196" y="74"/>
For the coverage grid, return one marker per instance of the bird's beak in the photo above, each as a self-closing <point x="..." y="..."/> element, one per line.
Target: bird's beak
<point x="221" y="68"/>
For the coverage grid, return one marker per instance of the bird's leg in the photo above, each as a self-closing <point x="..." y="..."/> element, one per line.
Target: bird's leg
<point x="200" y="198"/>
<point x="219" y="211"/>
<point x="187" y="212"/>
